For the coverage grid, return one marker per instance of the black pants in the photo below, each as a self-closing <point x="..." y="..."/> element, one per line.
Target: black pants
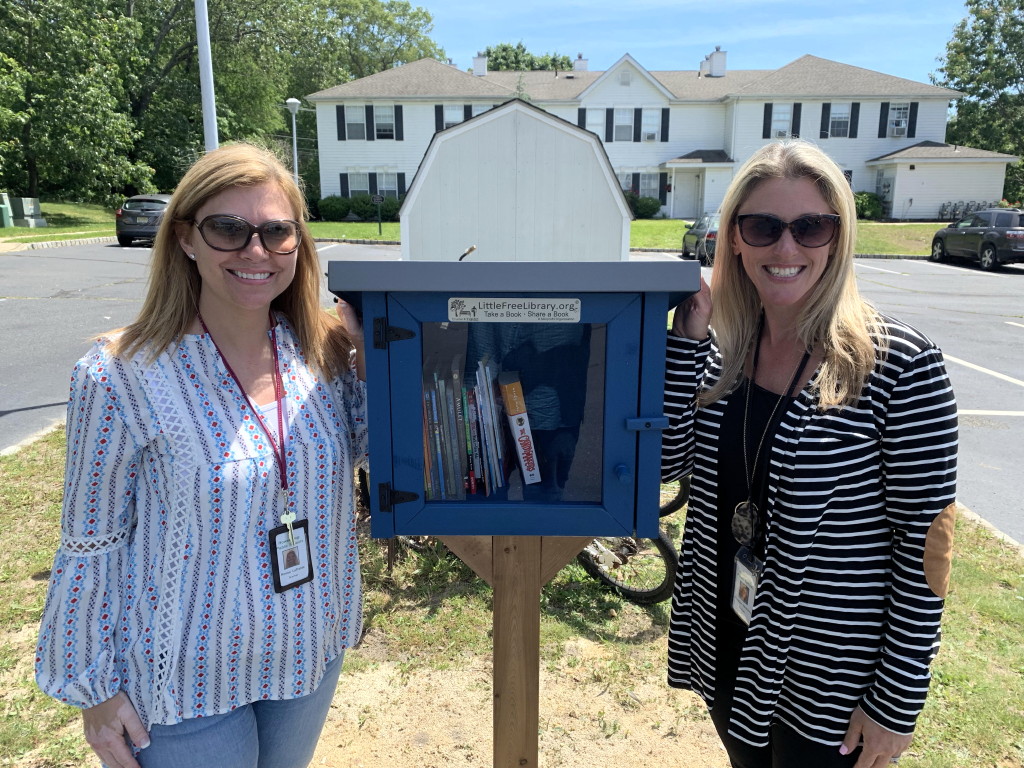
<point x="786" y="748"/>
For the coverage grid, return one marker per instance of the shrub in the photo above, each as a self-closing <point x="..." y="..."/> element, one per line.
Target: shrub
<point x="869" y="205"/>
<point x="334" y="208"/>
<point x="363" y="207"/>
<point x="643" y="207"/>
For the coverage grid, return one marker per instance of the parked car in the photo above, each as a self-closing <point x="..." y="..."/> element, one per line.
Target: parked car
<point x="992" y="237"/>
<point x="699" y="239"/>
<point x="139" y="217"/>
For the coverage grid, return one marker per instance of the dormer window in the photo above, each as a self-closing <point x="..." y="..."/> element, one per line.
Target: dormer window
<point x="625" y="77"/>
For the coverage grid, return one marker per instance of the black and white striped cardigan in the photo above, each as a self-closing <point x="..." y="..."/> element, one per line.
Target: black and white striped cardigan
<point x="860" y="515"/>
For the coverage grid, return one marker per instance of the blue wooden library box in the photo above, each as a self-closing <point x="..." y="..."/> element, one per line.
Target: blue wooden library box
<point x="515" y="398"/>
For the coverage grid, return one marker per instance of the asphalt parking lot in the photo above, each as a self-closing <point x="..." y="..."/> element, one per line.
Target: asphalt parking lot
<point x="53" y="300"/>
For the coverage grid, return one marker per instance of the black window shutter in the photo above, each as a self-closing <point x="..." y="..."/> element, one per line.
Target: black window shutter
<point x="766" y="126"/>
<point x="795" y="130"/>
<point x="373" y="183"/>
<point x="883" y="120"/>
<point x="399" y="124"/>
<point x="664" y="123"/>
<point x="609" y="125"/>
<point x="638" y="117"/>
<point x="663" y="188"/>
<point x="439" y="117"/>
<point x="854" y="118"/>
<point x="634" y="184"/>
<point x="371" y="127"/>
<point x="344" y="185"/>
<point x="826" y="119"/>
<point x="581" y="117"/>
<point x="340" y="112"/>
<point x="912" y="124"/>
<point x="467" y="111"/>
<point x="401" y="184"/>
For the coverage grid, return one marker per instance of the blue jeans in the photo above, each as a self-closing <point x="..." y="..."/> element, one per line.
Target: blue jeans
<point x="264" y="734"/>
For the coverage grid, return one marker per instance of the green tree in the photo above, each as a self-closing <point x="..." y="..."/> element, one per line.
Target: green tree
<point x="515" y="58"/>
<point x="65" y="97"/>
<point x="985" y="61"/>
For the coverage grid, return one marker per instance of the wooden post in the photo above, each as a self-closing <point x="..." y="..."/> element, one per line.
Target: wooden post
<point x="517" y="567"/>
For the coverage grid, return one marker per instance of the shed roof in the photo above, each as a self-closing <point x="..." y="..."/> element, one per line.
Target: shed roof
<point x="936" y="150"/>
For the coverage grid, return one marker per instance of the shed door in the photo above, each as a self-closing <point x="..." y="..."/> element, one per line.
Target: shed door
<point x="553" y="457"/>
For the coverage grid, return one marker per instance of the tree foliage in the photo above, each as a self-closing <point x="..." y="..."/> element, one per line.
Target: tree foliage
<point x="100" y="98"/>
<point x="985" y="61"/>
<point x="515" y="58"/>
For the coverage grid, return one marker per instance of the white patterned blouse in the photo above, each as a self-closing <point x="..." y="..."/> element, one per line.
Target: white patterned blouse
<point x="162" y="585"/>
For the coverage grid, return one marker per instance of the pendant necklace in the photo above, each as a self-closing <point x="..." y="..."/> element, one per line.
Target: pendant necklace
<point x="745" y="516"/>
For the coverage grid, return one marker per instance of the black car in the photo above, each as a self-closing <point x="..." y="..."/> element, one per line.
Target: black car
<point x="699" y="239"/>
<point x="139" y="217"/>
<point x="992" y="237"/>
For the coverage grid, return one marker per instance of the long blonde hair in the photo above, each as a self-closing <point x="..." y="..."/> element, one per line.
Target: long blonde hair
<point x="834" y="315"/>
<point x="172" y="298"/>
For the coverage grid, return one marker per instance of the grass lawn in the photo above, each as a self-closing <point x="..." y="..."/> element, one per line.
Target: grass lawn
<point x="972" y="718"/>
<point x="72" y="221"/>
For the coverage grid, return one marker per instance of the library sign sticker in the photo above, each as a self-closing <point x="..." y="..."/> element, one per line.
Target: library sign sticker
<point x="513" y="310"/>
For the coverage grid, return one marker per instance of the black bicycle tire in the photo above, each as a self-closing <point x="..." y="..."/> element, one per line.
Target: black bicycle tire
<point x="678" y="501"/>
<point x="640" y="596"/>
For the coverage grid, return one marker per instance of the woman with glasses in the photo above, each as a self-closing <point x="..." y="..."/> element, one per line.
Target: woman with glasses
<point x="822" y="438"/>
<point x="207" y="581"/>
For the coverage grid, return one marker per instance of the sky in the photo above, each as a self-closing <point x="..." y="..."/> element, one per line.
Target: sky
<point x="899" y="37"/>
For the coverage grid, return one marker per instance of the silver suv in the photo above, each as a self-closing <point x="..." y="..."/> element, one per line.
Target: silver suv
<point x="992" y="237"/>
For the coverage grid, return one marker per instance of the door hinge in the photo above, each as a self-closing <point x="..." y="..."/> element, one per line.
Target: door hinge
<point x="384" y="334"/>
<point x="387" y="497"/>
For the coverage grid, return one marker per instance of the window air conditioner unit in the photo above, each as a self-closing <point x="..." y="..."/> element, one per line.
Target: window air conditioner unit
<point x="899" y="130"/>
<point x="651" y="136"/>
<point x="782" y="134"/>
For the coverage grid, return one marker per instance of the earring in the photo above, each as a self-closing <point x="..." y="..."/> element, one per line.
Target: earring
<point x="192" y="256"/>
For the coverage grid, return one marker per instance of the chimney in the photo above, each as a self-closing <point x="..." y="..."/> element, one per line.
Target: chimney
<point x="580" y="65"/>
<point x="716" y="63"/>
<point x="480" y="64"/>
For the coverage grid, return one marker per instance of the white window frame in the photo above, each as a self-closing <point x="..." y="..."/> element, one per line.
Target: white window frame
<point x="355" y="117"/>
<point x="479" y="109"/>
<point x="358" y="189"/>
<point x="387" y="184"/>
<point x="625" y="78"/>
<point x="782" y="121"/>
<point x="384" y="121"/>
<point x="623" y="130"/>
<point x="650" y="125"/>
<point x="899" y="119"/>
<point x="453" y="114"/>
<point x="625" y="180"/>
<point x="596" y="121"/>
<point x="649" y="185"/>
<point x="839" y="121"/>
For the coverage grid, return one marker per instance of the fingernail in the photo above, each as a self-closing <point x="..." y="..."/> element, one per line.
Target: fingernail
<point x="843" y="750"/>
<point x="144" y="744"/>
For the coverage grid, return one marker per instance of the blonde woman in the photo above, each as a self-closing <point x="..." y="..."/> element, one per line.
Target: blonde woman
<point x="822" y="438"/>
<point x="207" y="581"/>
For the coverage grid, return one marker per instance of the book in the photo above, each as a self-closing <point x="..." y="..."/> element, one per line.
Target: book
<point x="519" y="422"/>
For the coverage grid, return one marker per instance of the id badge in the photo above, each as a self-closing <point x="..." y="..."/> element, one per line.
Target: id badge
<point x="746" y="574"/>
<point x="290" y="560"/>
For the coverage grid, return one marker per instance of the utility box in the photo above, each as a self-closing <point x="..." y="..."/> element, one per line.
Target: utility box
<point x="519" y="184"/>
<point x="26" y="212"/>
<point x="515" y="398"/>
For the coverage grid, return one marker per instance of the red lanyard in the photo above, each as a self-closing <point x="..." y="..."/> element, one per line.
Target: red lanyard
<point x="278" y="450"/>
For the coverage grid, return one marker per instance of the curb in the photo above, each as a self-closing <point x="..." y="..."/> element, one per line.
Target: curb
<point x="86" y="241"/>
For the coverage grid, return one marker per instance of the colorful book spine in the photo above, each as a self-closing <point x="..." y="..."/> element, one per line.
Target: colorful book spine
<point x="519" y="422"/>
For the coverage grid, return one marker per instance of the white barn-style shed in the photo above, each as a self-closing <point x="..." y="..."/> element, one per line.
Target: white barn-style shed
<point x="519" y="184"/>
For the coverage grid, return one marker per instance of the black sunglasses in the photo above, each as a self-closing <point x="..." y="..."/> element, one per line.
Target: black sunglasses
<point x="812" y="230"/>
<point x="224" y="232"/>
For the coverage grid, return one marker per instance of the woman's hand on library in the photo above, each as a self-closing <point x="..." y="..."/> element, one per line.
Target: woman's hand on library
<point x="692" y="318"/>
<point x="354" y="328"/>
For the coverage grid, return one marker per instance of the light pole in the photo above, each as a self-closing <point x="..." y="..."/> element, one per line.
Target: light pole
<point x="293" y="107"/>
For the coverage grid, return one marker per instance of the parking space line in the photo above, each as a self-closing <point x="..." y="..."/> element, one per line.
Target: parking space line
<point x="325" y="246"/>
<point x="954" y="267"/>
<point x="998" y="375"/>
<point x="1010" y="322"/>
<point x="878" y="269"/>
